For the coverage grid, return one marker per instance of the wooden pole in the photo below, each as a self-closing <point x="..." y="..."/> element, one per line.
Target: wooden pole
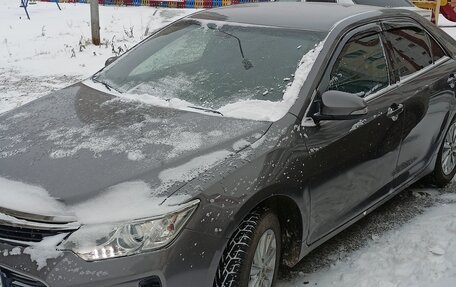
<point x="437" y="12"/>
<point x="95" y="22"/>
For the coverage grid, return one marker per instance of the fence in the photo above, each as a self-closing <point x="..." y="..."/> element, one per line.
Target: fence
<point x="168" y="4"/>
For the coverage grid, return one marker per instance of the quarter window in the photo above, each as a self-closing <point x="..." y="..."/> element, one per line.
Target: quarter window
<point x="410" y="49"/>
<point x="361" y="67"/>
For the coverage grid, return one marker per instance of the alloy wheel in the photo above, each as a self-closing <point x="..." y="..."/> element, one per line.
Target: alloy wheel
<point x="264" y="261"/>
<point x="449" y="151"/>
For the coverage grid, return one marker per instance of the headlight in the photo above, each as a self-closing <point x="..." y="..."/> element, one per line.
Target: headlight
<point x="97" y="242"/>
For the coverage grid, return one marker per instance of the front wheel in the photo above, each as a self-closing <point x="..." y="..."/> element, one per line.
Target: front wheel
<point x="445" y="167"/>
<point x="252" y="256"/>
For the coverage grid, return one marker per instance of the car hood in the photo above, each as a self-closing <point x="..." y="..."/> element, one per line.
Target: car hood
<point x="79" y="145"/>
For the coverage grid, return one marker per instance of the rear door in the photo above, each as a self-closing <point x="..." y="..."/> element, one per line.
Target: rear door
<point x="351" y="162"/>
<point x="426" y="78"/>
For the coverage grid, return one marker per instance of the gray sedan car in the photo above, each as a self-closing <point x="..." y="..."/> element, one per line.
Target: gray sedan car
<point x="229" y="142"/>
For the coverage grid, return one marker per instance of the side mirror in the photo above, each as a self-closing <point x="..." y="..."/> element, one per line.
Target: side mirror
<point x="337" y="105"/>
<point x="110" y="60"/>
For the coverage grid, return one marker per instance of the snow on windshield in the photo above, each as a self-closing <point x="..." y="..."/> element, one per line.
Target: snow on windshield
<point x="240" y="71"/>
<point x="273" y="111"/>
<point x="259" y="110"/>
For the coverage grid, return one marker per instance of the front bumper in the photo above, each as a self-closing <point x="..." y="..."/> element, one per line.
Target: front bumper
<point x="191" y="259"/>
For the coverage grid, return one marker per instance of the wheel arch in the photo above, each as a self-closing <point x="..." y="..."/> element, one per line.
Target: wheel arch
<point x="291" y="225"/>
<point x="292" y="212"/>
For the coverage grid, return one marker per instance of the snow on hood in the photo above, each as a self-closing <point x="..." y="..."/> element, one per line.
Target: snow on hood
<point x="28" y="198"/>
<point x="78" y="142"/>
<point x="193" y="168"/>
<point x="131" y="200"/>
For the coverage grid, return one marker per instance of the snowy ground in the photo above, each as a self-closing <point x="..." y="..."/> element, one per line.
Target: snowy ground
<point x="410" y="241"/>
<point x="53" y="49"/>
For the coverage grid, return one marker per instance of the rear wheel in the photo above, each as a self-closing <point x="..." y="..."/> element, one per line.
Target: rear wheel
<point x="445" y="167"/>
<point x="252" y="256"/>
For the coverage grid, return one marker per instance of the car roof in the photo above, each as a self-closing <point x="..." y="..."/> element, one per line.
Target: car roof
<point x="293" y="15"/>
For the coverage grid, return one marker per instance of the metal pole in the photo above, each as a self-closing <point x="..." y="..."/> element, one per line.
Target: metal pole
<point x="95" y="22"/>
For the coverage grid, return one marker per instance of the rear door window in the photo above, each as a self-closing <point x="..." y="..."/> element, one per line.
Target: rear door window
<point x="361" y="67"/>
<point x="410" y="49"/>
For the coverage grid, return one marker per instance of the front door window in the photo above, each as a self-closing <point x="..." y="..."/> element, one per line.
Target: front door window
<point x="361" y="67"/>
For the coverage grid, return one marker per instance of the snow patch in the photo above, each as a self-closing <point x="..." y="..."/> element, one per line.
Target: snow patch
<point x="420" y="254"/>
<point x="130" y="140"/>
<point x="130" y="200"/>
<point x="28" y="198"/>
<point x="240" y="144"/>
<point x="358" y="124"/>
<point x="135" y="155"/>
<point x="45" y="250"/>
<point x="40" y="252"/>
<point x="193" y="168"/>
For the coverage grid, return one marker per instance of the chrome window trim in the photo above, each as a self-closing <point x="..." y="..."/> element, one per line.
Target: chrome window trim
<point x="409" y="77"/>
<point x="406" y="79"/>
<point x="379" y="93"/>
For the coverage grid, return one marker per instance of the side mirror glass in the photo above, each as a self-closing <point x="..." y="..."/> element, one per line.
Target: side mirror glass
<point x="110" y="60"/>
<point x="337" y="105"/>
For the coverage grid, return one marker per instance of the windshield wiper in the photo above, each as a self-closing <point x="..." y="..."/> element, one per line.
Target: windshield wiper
<point x="206" y="110"/>
<point x="103" y="83"/>
<point x="107" y="86"/>
<point x="245" y="62"/>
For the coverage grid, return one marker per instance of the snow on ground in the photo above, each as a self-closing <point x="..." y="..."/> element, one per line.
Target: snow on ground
<point x="54" y="50"/>
<point x="408" y="242"/>
<point x="420" y="253"/>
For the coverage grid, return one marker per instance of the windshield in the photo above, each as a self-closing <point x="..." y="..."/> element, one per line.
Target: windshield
<point x="385" y="3"/>
<point x="212" y="65"/>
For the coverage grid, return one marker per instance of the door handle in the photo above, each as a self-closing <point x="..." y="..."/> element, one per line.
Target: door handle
<point x="452" y="81"/>
<point x="394" y="111"/>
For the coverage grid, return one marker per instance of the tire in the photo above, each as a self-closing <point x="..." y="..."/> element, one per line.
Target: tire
<point x="439" y="177"/>
<point x="236" y="262"/>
